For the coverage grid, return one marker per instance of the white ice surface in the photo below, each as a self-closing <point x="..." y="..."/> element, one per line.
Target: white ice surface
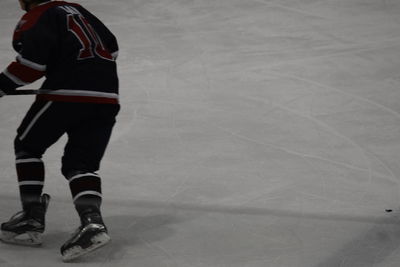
<point x="253" y="133"/>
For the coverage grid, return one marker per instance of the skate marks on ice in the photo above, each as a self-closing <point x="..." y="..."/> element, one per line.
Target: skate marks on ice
<point x="137" y="236"/>
<point x="173" y="209"/>
<point x="181" y="233"/>
<point x="5" y="263"/>
<point x="377" y="246"/>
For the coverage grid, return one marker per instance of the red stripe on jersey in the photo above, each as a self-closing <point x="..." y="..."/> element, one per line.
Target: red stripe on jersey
<point x="24" y="73"/>
<point x="78" y="99"/>
<point x="30" y="18"/>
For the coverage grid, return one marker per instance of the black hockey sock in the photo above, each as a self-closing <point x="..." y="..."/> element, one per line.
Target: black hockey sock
<point x="86" y="192"/>
<point x="88" y="204"/>
<point x="30" y="172"/>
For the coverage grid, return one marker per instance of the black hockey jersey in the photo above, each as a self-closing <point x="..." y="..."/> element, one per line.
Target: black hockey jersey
<point x="72" y="48"/>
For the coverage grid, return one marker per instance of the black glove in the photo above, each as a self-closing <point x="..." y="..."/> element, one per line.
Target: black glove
<point x="6" y="85"/>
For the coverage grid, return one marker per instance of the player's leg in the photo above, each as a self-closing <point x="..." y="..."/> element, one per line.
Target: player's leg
<point x="40" y="128"/>
<point x="83" y="153"/>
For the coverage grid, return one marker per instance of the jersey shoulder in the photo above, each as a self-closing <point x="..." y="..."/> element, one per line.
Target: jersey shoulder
<point x="31" y="18"/>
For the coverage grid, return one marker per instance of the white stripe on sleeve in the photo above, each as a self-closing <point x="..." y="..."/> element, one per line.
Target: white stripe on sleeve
<point x="31" y="64"/>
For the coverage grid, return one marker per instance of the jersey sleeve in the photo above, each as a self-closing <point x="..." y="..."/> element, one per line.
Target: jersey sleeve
<point x="35" y="47"/>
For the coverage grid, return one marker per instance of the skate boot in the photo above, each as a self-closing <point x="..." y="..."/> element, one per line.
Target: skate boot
<point x="91" y="235"/>
<point x="27" y="226"/>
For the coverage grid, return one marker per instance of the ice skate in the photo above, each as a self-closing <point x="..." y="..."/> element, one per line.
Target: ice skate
<point x="91" y="235"/>
<point x="26" y="227"/>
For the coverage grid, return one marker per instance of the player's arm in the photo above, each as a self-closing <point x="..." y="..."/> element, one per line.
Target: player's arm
<point x="19" y="73"/>
<point x="35" y="48"/>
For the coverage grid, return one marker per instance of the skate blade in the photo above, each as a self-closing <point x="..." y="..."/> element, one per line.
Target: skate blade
<point x="32" y="239"/>
<point x="75" y="252"/>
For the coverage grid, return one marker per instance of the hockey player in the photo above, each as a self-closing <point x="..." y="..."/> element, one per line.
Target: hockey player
<point x="79" y="97"/>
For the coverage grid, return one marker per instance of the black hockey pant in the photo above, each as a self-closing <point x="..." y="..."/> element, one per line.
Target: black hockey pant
<point x="88" y="127"/>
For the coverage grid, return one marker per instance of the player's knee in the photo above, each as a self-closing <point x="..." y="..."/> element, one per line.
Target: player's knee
<point x="72" y="166"/>
<point x="24" y="151"/>
<point x="68" y="173"/>
<point x="71" y="172"/>
<point x="18" y="146"/>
